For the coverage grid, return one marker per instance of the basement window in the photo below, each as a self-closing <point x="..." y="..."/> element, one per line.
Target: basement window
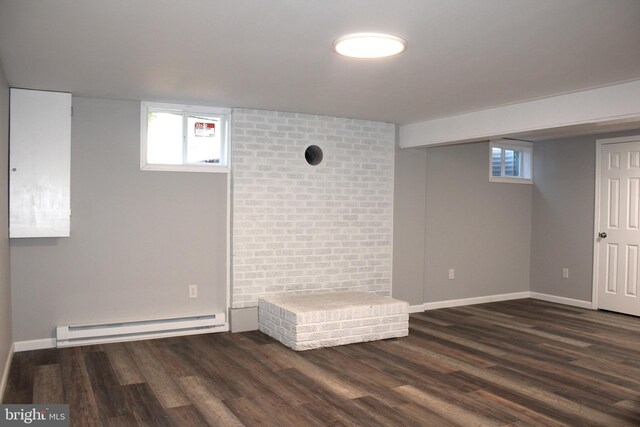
<point x="511" y="161"/>
<point x="184" y="138"/>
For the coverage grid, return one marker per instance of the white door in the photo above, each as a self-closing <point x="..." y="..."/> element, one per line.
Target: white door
<point x="618" y="234"/>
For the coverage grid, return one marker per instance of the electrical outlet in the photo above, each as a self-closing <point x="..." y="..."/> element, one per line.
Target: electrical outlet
<point x="565" y="273"/>
<point x="452" y="273"/>
<point x="193" y="291"/>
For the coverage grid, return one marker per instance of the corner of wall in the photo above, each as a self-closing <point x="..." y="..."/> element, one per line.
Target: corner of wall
<point x="6" y="346"/>
<point x="468" y="230"/>
<point x="5" y="373"/>
<point x="243" y="319"/>
<point x="409" y="225"/>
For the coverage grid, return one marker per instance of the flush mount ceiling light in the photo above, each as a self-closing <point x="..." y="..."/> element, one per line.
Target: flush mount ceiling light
<point x="369" y="45"/>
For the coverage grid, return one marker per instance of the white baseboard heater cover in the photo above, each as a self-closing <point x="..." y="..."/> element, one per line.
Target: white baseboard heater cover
<point x="72" y="335"/>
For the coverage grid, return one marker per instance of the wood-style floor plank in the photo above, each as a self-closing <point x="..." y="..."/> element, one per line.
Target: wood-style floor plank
<point x="212" y="409"/>
<point x="457" y="414"/>
<point x="510" y="363"/>
<point x="108" y="392"/>
<point x="47" y="384"/>
<point x="332" y="382"/>
<point x="185" y="416"/>
<point x="123" y="364"/>
<point x="145" y="406"/>
<point x="78" y="392"/>
<point x="156" y="375"/>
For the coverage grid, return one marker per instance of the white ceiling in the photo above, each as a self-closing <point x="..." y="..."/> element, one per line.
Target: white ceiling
<point x="463" y="55"/>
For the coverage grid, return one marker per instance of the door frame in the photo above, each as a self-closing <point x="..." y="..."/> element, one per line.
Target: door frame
<point x="596" y="217"/>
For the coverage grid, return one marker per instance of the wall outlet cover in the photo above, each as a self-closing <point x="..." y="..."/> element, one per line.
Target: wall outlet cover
<point x="193" y="291"/>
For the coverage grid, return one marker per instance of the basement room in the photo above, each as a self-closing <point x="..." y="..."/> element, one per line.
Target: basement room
<point x="313" y="213"/>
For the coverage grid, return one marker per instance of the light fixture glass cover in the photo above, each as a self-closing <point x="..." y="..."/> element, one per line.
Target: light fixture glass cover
<point x="369" y="45"/>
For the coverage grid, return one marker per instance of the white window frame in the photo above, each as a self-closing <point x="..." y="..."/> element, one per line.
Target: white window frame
<point x="224" y="114"/>
<point x="526" y="148"/>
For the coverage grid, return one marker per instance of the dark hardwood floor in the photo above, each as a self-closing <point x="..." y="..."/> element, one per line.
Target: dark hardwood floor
<point x="514" y="363"/>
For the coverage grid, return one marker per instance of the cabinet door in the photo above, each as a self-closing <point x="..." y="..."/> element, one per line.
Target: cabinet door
<point x="39" y="164"/>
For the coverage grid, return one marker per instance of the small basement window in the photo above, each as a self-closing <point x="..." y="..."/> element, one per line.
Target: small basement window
<point x="184" y="138"/>
<point x="511" y="161"/>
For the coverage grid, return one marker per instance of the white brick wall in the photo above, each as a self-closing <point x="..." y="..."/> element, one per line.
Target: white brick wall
<point x="304" y="323"/>
<point x="299" y="228"/>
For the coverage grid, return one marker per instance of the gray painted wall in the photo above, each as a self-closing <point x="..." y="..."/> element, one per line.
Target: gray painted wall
<point x="5" y="277"/>
<point x="138" y="239"/>
<point x="479" y="228"/>
<point x="482" y="229"/>
<point x="448" y="215"/>
<point x="562" y="220"/>
<point x="409" y="223"/>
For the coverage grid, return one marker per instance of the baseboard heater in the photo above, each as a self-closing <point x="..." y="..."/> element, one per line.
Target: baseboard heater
<point x="73" y="335"/>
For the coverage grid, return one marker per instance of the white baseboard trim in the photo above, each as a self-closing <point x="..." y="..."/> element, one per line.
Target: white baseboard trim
<point x="561" y="300"/>
<point x="501" y="297"/>
<point x="5" y="373"/>
<point x="467" y="301"/>
<point x="34" y="344"/>
<point x="416" y="308"/>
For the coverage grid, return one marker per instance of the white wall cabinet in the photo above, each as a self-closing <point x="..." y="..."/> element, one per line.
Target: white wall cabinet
<point x="40" y="164"/>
